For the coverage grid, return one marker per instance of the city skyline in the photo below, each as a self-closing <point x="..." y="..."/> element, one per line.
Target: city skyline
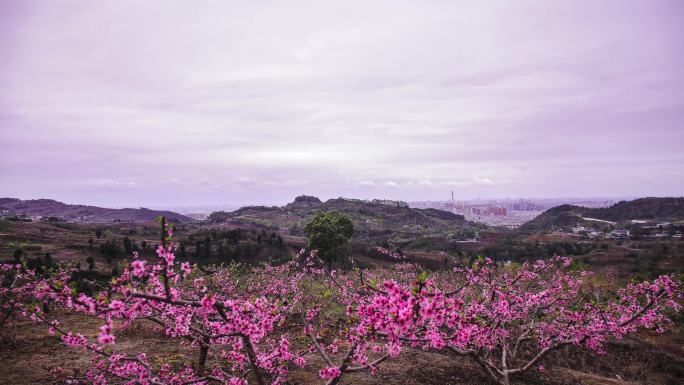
<point x="120" y="104"/>
<point x="595" y="201"/>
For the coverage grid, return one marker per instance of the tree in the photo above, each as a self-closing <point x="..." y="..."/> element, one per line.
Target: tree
<point x="110" y="249"/>
<point x="17" y="255"/>
<point x="507" y="319"/>
<point x="23" y="293"/>
<point x="329" y="234"/>
<point x="91" y="263"/>
<point x="128" y="245"/>
<point x="181" y="249"/>
<point x="207" y="247"/>
<point x="35" y="264"/>
<point x="198" y="248"/>
<point x="47" y="260"/>
<point x="98" y="233"/>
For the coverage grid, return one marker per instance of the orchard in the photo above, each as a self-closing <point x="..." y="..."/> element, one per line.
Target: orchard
<point x="255" y="325"/>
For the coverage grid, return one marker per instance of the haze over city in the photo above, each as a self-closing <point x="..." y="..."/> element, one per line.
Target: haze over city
<point x="172" y="103"/>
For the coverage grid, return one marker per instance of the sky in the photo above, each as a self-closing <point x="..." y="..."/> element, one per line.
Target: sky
<point x="160" y="103"/>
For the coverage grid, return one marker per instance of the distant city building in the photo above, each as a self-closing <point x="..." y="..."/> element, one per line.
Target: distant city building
<point x="480" y="210"/>
<point x="524" y="206"/>
<point x="197" y="216"/>
<point x="500" y="211"/>
<point x="506" y="211"/>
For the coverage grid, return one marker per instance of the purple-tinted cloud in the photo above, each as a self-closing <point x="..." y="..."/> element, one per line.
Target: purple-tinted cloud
<point x="173" y="103"/>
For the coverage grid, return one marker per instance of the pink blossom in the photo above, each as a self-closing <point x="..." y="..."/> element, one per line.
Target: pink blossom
<point x="330" y="372"/>
<point x="138" y="268"/>
<point x="105" y="337"/>
<point x="185" y="268"/>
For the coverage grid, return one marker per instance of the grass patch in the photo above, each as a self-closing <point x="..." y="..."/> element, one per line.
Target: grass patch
<point x="5" y="225"/>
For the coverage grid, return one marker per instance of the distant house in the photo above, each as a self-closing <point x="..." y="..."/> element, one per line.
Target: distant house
<point x="389" y="202"/>
<point x="578" y="229"/>
<point x="620" y="233"/>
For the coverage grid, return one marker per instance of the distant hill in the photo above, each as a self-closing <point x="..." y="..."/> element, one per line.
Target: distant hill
<point x="375" y="221"/>
<point x="644" y="208"/>
<point x="650" y="209"/>
<point x="82" y="213"/>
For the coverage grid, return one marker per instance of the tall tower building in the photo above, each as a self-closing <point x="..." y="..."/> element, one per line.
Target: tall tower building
<point x="453" y="202"/>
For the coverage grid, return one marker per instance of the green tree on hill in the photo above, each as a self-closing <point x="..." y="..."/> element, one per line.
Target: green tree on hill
<point x="128" y="245"/>
<point x="18" y="253"/>
<point x="329" y="233"/>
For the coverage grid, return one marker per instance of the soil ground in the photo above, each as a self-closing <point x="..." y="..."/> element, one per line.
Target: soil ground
<point x="645" y="360"/>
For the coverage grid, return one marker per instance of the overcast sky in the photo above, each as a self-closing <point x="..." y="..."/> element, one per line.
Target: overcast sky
<point x="130" y="103"/>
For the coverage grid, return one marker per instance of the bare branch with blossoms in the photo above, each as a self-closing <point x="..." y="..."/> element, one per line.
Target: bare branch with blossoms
<point x="237" y="321"/>
<point x="507" y="319"/>
<point x="25" y="293"/>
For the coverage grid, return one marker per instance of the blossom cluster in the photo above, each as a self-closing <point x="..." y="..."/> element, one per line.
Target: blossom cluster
<point x="241" y="318"/>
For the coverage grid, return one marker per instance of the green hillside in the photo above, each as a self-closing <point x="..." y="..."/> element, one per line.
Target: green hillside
<point x="375" y="222"/>
<point x="644" y="208"/>
<point x="647" y="209"/>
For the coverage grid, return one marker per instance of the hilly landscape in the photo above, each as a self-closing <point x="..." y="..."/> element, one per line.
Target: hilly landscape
<point x="82" y="213"/>
<point x="376" y="222"/>
<point x="98" y="244"/>
<point x="434" y="238"/>
<point x="621" y="214"/>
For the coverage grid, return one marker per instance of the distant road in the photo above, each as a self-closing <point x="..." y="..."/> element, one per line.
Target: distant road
<point x="598" y="220"/>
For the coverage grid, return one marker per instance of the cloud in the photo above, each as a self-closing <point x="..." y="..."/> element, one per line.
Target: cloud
<point x="250" y="102"/>
<point x="114" y="183"/>
<point x="485" y="182"/>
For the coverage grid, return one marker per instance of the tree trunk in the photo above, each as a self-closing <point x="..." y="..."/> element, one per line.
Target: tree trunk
<point x="253" y="360"/>
<point x="202" y="361"/>
<point x="504" y="379"/>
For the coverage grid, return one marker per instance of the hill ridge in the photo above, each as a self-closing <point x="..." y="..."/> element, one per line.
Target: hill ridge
<point x="44" y="207"/>
<point x="381" y="220"/>
<point x="649" y="208"/>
